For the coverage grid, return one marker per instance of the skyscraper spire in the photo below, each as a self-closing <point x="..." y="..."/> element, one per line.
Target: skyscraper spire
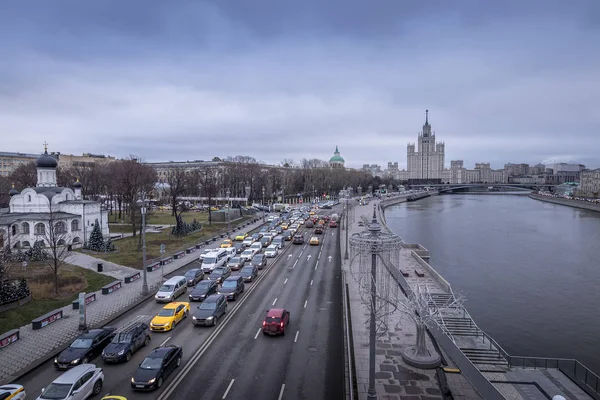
<point x="426" y="117"/>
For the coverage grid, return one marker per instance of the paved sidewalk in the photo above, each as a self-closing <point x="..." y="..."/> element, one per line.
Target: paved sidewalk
<point x="394" y="378"/>
<point x="37" y="346"/>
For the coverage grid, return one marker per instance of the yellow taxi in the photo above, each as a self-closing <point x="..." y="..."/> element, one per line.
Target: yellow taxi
<point x="314" y="241"/>
<point x="111" y="397"/>
<point x="226" y="244"/>
<point x="311" y="213"/>
<point x="240" y="237"/>
<point x="12" y="392"/>
<point x="284" y="226"/>
<point x="169" y="316"/>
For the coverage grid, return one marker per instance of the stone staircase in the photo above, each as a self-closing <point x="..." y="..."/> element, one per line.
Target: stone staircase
<point x="485" y="358"/>
<point x="459" y="326"/>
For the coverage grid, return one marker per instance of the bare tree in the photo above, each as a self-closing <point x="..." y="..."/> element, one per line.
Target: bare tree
<point x="56" y="236"/>
<point x="24" y="176"/>
<point x="178" y="183"/>
<point x="207" y="177"/>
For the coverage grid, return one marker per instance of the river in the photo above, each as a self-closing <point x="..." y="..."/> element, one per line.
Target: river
<point x="530" y="270"/>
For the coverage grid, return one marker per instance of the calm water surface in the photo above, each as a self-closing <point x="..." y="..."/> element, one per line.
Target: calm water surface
<point x="530" y="270"/>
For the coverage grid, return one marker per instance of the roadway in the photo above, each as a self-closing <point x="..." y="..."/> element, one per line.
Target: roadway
<point x="308" y="362"/>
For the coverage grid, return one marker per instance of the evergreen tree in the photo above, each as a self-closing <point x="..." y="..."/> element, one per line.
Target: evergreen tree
<point x="36" y="253"/>
<point x="96" y="241"/>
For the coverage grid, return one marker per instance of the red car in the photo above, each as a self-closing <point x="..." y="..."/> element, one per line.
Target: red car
<point x="276" y="321"/>
<point x="333" y="224"/>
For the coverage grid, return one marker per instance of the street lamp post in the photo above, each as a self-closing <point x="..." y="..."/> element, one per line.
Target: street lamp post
<point x="200" y="195"/>
<point x="263" y="203"/>
<point x="142" y="203"/>
<point x="228" y="193"/>
<point x="347" y="212"/>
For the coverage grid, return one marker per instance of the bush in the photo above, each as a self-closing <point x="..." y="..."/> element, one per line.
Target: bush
<point x="183" y="228"/>
<point x="13" y="290"/>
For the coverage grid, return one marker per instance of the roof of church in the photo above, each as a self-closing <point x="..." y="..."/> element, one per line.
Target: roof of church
<point x="46" y="161"/>
<point x="9" y="218"/>
<point x="336" y="156"/>
<point x="49" y="191"/>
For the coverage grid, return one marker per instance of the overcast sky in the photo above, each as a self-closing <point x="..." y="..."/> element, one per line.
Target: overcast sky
<point x="505" y="81"/>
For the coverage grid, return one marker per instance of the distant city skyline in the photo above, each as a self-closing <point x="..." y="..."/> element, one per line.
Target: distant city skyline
<point x="504" y="82"/>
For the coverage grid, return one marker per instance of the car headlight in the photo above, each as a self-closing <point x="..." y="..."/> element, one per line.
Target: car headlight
<point x="56" y="360"/>
<point x="132" y="380"/>
<point x="75" y="361"/>
<point x="210" y="318"/>
<point x="152" y="380"/>
<point x="121" y="352"/>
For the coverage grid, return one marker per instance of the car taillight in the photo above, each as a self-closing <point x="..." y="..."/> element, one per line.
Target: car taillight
<point x="281" y="324"/>
<point x="264" y="323"/>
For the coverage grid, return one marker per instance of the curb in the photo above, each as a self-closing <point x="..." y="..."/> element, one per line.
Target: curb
<point x="55" y="352"/>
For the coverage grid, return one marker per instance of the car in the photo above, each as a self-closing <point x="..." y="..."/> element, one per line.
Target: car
<point x="249" y="272"/>
<point x="256" y="236"/>
<point x="194" y="276"/>
<point x="85" y="348"/>
<point x="287" y="235"/>
<point x="240" y="237"/>
<point x="276" y="321"/>
<point x="219" y="274"/>
<point x="298" y="239"/>
<point x="309" y="224"/>
<point x="232" y="287"/>
<point x="170" y="316"/>
<point x="126" y="342"/>
<point x="248" y="241"/>
<point x="227" y="243"/>
<point x="284" y="226"/>
<point x="272" y="251"/>
<point x="12" y="392"/>
<point x="332" y="224"/>
<point x="248" y="254"/>
<point x="210" y="310"/>
<point x="279" y="230"/>
<point x="314" y="241"/>
<point x="156" y="367"/>
<point x="265" y="241"/>
<point x="256" y="246"/>
<point x="80" y="382"/>
<point x="259" y="261"/>
<point x="203" y="289"/>
<point x="113" y="397"/>
<point x="236" y="263"/>
<point x="239" y="247"/>
<point x="205" y="253"/>
<point x="319" y="229"/>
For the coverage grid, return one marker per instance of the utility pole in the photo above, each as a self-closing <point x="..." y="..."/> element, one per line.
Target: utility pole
<point x="142" y="203"/>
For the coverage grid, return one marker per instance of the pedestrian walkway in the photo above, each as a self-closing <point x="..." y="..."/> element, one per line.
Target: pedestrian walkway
<point x="36" y="346"/>
<point x="394" y="378"/>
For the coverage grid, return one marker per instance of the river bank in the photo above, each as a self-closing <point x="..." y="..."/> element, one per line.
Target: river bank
<point x="566" y="202"/>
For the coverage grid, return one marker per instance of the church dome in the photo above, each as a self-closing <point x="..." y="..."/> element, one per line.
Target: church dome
<point x="336" y="156"/>
<point x="77" y="184"/>
<point x="13" y="191"/>
<point x="46" y="161"/>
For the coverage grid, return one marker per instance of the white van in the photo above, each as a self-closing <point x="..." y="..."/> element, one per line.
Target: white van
<point x="171" y="289"/>
<point x="215" y="259"/>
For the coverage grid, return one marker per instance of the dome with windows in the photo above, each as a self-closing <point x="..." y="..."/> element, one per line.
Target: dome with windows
<point x="336" y="161"/>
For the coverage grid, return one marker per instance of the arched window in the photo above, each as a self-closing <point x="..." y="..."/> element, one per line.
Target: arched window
<point x="29" y="198"/>
<point x="25" y="228"/>
<point x="74" y="225"/>
<point x="61" y="242"/>
<point x="75" y="240"/>
<point x="15" y="229"/>
<point x="60" y="227"/>
<point x="41" y="243"/>
<point x="26" y="244"/>
<point x="40" y="228"/>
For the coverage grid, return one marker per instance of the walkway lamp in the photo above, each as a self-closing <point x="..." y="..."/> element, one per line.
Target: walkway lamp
<point x="142" y="203"/>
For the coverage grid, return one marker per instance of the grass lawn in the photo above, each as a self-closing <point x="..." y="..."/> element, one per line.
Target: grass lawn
<point x="163" y="217"/>
<point x="127" y="248"/>
<point x="74" y="280"/>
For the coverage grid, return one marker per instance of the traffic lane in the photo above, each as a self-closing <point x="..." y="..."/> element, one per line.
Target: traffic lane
<point x="317" y="368"/>
<point x="235" y="354"/>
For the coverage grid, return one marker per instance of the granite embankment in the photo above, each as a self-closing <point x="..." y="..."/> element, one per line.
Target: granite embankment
<point x="567" y="202"/>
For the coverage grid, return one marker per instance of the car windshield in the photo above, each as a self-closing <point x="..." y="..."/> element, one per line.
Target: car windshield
<point x="235" y="260"/>
<point x="217" y="272"/>
<point x="122" y="338"/>
<point x="207" y="306"/>
<point x="151" y="363"/>
<point x="166" y="312"/>
<point x="210" y="260"/>
<point x="247" y="270"/>
<point x="229" y="284"/>
<point x="203" y="284"/>
<point x="56" y="391"/>
<point x="166" y="288"/>
<point x="81" y="344"/>
<point x="247" y="252"/>
<point x="257" y="257"/>
<point x="191" y="273"/>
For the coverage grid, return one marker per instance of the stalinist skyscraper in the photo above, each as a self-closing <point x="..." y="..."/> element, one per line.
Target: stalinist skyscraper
<point x="427" y="164"/>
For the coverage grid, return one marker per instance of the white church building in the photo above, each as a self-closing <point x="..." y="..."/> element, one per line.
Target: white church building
<point x="30" y="212"/>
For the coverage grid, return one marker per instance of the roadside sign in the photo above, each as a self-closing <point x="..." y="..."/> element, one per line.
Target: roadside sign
<point x="162" y="249"/>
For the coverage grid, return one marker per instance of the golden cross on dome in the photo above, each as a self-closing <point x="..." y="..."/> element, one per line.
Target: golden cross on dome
<point x="45" y="147"/>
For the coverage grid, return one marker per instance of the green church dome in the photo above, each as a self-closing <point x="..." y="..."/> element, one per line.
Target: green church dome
<point x="336" y="156"/>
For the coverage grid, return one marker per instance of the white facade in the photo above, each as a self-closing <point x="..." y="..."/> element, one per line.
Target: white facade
<point x="30" y="212"/>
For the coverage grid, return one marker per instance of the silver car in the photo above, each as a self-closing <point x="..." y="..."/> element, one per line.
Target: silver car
<point x="78" y="383"/>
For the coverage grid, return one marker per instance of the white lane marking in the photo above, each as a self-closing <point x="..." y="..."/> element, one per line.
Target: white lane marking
<point x="296" y="337"/>
<point x="311" y="282"/>
<point x="228" y="388"/>
<point x="300" y="255"/>
<point x="289" y="256"/>
<point x="319" y="257"/>
<point x="332" y="233"/>
<point x="316" y="265"/>
<point x="329" y="258"/>
<point x="284" y="282"/>
<point x="274" y="301"/>
<point x="294" y="266"/>
<point x="165" y="342"/>
<point x="305" y="301"/>
<point x="304" y="247"/>
<point x="281" y="392"/>
<point x="257" y="333"/>
<point x="308" y="257"/>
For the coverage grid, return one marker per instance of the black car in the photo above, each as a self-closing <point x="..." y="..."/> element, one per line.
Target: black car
<point x="232" y="287"/>
<point x="259" y="261"/>
<point x="236" y="263"/>
<point x="287" y="235"/>
<point x="249" y="272"/>
<point x="239" y="247"/>
<point x="298" y="239"/>
<point x="265" y="241"/>
<point x="86" y="347"/>
<point x="193" y="276"/>
<point x="210" y="310"/>
<point x="126" y="342"/>
<point x="219" y="274"/>
<point x="156" y="367"/>
<point x="256" y="236"/>
<point x="203" y="289"/>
